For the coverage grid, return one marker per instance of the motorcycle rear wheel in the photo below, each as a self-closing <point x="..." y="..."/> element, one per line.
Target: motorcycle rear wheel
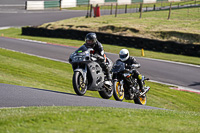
<point x="106" y="94"/>
<point x="79" y="86"/>
<point x="142" y="100"/>
<point x="117" y="93"/>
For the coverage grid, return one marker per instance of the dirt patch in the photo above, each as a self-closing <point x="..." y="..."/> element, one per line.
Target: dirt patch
<point x="115" y="29"/>
<point x="176" y="36"/>
<point x="181" y="37"/>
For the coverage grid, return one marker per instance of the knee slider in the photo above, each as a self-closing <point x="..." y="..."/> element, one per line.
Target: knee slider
<point x="139" y="76"/>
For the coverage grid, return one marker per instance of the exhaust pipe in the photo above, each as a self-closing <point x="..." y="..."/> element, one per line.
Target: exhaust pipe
<point x="146" y="90"/>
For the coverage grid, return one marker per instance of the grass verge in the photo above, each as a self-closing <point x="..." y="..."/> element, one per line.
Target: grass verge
<point x="25" y="70"/>
<point x="96" y="119"/>
<point x="183" y="25"/>
<point x="21" y="69"/>
<point x="16" y="33"/>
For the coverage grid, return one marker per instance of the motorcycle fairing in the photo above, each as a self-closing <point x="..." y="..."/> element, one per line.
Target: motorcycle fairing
<point x="97" y="76"/>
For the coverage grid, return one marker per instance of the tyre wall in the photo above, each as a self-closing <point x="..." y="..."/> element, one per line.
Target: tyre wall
<point x="135" y="42"/>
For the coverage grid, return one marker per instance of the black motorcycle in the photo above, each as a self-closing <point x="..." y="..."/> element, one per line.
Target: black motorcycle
<point x="126" y="86"/>
<point x="88" y="74"/>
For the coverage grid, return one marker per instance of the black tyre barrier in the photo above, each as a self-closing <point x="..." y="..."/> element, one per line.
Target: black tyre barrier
<point x="136" y="42"/>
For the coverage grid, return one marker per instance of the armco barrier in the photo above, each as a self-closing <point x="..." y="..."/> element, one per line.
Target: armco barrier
<point x="110" y="0"/>
<point x="51" y="4"/>
<point x="137" y="1"/>
<point x="123" y="2"/>
<point x="34" y="5"/>
<point x="149" y="1"/>
<point x="41" y="5"/>
<point x="94" y="2"/>
<point x="68" y="3"/>
<point x="82" y="2"/>
<point x="136" y="42"/>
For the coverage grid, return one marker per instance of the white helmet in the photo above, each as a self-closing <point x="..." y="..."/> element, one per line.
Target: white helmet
<point x="124" y="54"/>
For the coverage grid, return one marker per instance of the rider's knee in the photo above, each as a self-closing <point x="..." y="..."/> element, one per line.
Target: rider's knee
<point x="140" y="77"/>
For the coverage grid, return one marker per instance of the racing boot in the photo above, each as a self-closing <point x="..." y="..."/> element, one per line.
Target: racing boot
<point x="109" y="80"/>
<point x="108" y="73"/>
<point x="109" y="76"/>
<point x="140" y="83"/>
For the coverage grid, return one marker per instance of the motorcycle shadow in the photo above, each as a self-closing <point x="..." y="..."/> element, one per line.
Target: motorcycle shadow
<point x="59" y="92"/>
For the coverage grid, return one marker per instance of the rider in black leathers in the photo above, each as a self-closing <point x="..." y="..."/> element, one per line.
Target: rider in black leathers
<point x="92" y="42"/>
<point x="131" y="63"/>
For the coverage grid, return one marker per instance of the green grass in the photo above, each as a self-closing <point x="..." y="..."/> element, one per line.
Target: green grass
<point x="25" y="70"/>
<point x="16" y="33"/>
<point x="96" y="119"/>
<point x="182" y="20"/>
<point x="183" y="26"/>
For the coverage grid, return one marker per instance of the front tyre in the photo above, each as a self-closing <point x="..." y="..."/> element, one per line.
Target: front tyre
<point x="118" y="92"/>
<point x="141" y="100"/>
<point x="78" y="83"/>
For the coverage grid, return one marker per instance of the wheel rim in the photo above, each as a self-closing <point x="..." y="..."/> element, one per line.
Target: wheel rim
<point x="120" y="94"/>
<point x="81" y="83"/>
<point x="142" y="100"/>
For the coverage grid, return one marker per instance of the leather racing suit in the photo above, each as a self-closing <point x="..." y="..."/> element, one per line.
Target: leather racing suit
<point x="131" y="63"/>
<point x="98" y="50"/>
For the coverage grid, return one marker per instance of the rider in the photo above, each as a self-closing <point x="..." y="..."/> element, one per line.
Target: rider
<point x="92" y="42"/>
<point x="131" y="63"/>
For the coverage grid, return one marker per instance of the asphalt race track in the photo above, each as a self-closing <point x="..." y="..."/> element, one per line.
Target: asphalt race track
<point x="20" y="96"/>
<point x="167" y="72"/>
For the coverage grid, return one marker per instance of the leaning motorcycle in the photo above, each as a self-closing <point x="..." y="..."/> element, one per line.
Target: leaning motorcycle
<point x="88" y="74"/>
<point x="126" y="86"/>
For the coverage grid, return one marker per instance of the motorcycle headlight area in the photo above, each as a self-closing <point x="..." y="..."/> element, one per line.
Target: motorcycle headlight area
<point x="127" y="75"/>
<point x="78" y="58"/>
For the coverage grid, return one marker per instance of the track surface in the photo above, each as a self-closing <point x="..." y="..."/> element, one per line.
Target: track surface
<point x="24" y="96"/>
<point x="178" y="74"/>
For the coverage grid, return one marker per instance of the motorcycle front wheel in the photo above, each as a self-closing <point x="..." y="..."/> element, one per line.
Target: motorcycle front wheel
<point x="117" y="92"/>
<point x="141" y="100"/>
<point x="78" y="84"/>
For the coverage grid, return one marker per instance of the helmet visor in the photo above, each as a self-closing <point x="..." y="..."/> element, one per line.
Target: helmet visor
<point x="123" y="56"/>
<point x="90" y="42"/>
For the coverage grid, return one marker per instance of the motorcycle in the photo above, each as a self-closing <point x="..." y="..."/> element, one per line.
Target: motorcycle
<point x="88" y="74"/>
<point x="126" y="86"/>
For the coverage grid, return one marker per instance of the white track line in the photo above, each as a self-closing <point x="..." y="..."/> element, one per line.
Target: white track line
<point x="177" y="87"/>
<point x="179" y="63"/>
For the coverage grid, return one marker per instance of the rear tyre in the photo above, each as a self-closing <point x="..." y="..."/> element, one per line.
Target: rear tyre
<point x="142" y="100"/>
<point x="117" y="92"/>
<point x="78" y="83"/>
<point x="106" y="93"/>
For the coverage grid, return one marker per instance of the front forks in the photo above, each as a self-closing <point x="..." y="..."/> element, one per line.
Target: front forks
<point x="121" y="86"/>
<point x="85" y="74"/>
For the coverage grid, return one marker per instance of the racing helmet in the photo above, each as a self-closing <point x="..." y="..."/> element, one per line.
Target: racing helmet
<point x="124" y="55"/>
<point x="90" y="39"/>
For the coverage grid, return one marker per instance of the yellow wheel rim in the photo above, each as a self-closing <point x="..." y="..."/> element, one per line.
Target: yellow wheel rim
<point x="142" y="100"/>
<point x="120" y="94"/>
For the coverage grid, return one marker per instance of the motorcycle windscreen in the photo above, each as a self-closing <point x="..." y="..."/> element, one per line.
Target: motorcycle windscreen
<point x="83" y="48"/>
<point x="118" y="66"/>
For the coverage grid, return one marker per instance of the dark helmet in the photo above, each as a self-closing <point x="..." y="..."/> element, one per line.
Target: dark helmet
<point x="91" y="39"/>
